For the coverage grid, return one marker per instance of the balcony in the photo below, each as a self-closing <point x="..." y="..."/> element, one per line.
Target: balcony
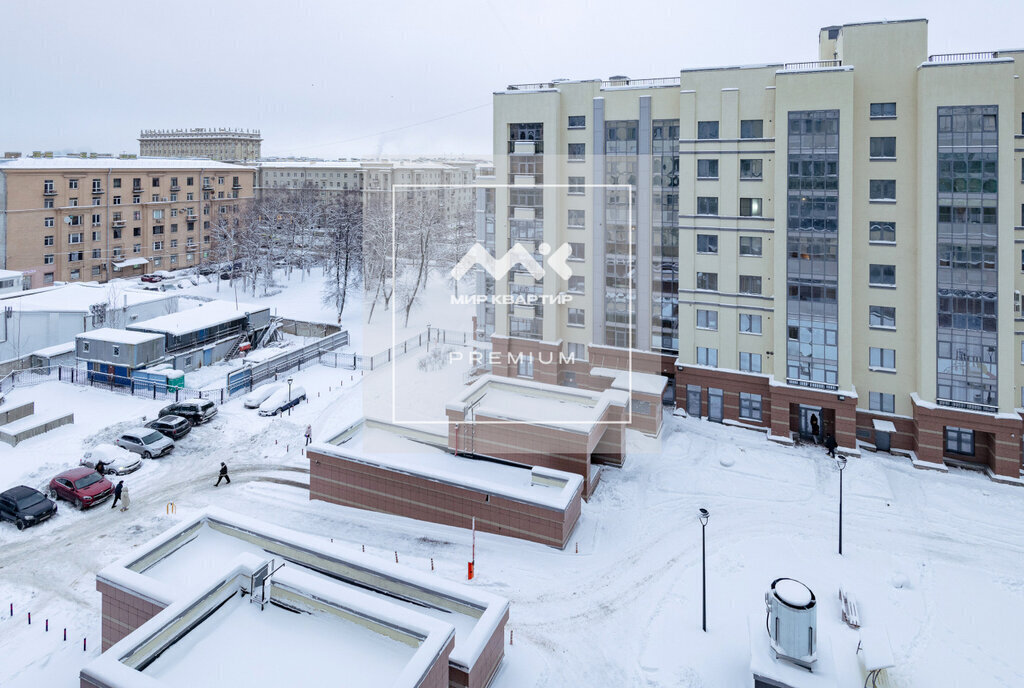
<point x="236" y="185"/>
<point x="49" y="192"/>
<point x="207" y="186"/>
<point x="118" y="224"/>
<point x="175" y="187"/>
<point x="191" y="218"/>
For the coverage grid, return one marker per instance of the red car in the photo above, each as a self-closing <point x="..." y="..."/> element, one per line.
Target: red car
<point x="151" y="278"/>
<point x="81" y="486"/>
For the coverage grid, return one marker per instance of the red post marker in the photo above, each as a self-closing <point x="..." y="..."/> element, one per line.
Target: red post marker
<point x="65" y="635"/>
<point x="431" y="563"/>
<point x="12" y="609"/>
<point x="47" y="625"/>
<point x="83" y="645"/>
<point x="30" y="618"/>
<point x="396" y="557"/>
<point x="469" y="572"/>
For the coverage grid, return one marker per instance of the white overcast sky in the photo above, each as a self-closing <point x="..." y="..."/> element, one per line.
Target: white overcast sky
<point x="348" y="78"/>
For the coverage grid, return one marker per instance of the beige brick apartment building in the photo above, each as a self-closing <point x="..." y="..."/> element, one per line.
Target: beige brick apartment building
<point x="830" y="245"/>
<point x="70" y="219"/>
<point x="226" y="145"/>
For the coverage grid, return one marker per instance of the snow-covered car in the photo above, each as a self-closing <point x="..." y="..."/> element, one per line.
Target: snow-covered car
<point x="116" y="461"/>
<point x="280" y="401"/>
<point x="256" y="397"/>
<point x="145" y="441"/>
<point x="163" y="274"/>
<point x="151" y="278"/>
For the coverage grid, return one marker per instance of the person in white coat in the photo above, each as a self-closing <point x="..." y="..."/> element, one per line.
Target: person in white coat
<point x="126" y="500"/>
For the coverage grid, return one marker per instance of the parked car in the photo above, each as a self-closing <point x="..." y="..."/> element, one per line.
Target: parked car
<point x="116" y="461"/>
<point x="145" y="441"/>
<point x="81" y="486"/>
<point x="256" y="397"/>
<point x="208" y="269"/>
<point x="151" y="278"/>
<point x="197" y="411"/>
<point x="163" y="274"/>
<point x="25" y="507"/>
<point x="174" y="427"/>
<point x="279" y="401"/>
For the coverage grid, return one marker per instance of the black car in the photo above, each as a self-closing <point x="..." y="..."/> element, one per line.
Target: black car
<point x="174" y="427"/>
<point x="196" y="412"/>
<point x="25" y="506"/>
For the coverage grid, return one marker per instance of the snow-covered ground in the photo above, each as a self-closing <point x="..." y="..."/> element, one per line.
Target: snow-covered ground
<point x="933" y="558"/>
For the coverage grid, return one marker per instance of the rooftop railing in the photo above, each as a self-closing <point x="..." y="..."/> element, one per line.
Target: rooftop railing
<point x="816" y="64"/>
<point x="963" y="57"/>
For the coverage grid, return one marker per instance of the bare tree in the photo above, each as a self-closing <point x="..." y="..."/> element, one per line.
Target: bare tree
<point x="378" y="250"/>
<point x="419" y="225"/>
<point x="342" y="247"/>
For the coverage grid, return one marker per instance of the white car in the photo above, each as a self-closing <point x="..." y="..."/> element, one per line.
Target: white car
<point x="116" y="460"/>
<point x="279" y="401"/>
<point x="256" y="397"/>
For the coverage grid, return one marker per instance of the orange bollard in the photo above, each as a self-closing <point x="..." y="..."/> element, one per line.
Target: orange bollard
<point x="396" y="557"/>
<point x="470" y="570"/>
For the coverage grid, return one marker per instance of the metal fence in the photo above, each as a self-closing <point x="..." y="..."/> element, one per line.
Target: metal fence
<point x="320" y="351"/>
<point x="118" y="384"/>
<point x="417" y="341"/>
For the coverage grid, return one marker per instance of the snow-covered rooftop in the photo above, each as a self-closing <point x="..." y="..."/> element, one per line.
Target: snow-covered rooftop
<point x="78" y="163"/>
<point x="77" y="298"/>
<point x="115" y="336"/>
<point x="207" y="315"/>
<point x="372" y="443"/>
<point x="632" y="381"/>
<point x="300" y="164"/>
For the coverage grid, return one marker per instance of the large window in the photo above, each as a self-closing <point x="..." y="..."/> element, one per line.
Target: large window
<point x="881" y="275"/>
<point x="576" y="185"/>
<point x="577" y="121"/>
<point x="577" y="317"/>
<point x="959" y="441"/>
<point x="707" y="356"/>
<point x="577" y="284"/>
<point x="707" y="130"/>
<point x="882" y="232"/>
<point x="577" y="218"/>
<point x="707" y="320"/>
<point x="750" y="207"/>
<point x="525" y="366"/>
<point x="578" y="251"/>
<point x="750" y="246"/>
<point x="882" y="316"/>
<point x="707" y="169"/>
<point x="750" y="363"/>
<point x="750" y="406"/>
<point x="883" y="147"/>
<point x="882" y="189"/>
<point x="576" y="352"/>
<point x="577" y="152"/>
<point x="707" y="205"/>
<point x="750" y="324"/>
<point x="751" y="168"/>
<point x="708" y="281"/>
<point x="751" y="129"/>
<point x="882" y="358"/>
<point x="883" y="110"/>
<point x="750" y="284"/>
<point x="880" y="401"/>
<point x="707" y="243"/>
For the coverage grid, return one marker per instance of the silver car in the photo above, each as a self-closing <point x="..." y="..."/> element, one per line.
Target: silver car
<point x="117" y="460"/>
<point x="146" y="441"/>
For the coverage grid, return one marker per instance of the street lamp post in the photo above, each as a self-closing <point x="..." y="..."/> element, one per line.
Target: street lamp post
<point x="703" y="516"/>
<point x="289" y="395"/>
<point x="841" y="461"/>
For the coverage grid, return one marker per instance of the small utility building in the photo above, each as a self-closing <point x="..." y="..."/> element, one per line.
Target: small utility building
<point x="112" y="356"/>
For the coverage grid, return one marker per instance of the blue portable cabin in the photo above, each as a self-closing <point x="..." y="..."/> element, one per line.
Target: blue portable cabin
<point x="111" y="356"/>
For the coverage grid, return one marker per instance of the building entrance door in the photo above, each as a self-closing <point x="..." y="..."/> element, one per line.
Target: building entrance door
<point x="715" y="405"/>
<point x="811" y="425"/>
<point x="693" y="401"/>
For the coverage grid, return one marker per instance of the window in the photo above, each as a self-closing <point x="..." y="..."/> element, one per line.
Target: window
<point x="576" y="185"/>
<point x="97" y="219"/>
<point x="750" y="406"/>
<point x="883" y="110"/>
<point x="136" y="199"/>
<point x="882" y="358"/>
<point x="579" y="251"/>
<point x="158" y="214"/>
<point x="75" y="256"/>
<point x="879" y="401"/>
<point x="707" y="205"/>
<point x="136" y="214"/>
<point x="707" y="169"/>
<point x="75" y="238"/>
<point x="750" y="284"/>
<point x="137" y="183"/>
<point x="707" y="281"/>
<point x="47" y="202"/>
<point x="750" y="246"/>
<point x="117" y="182"/>
<point x="707" y="356"/>
<point x="750" y="207"/>
<point x="707" y="320"/>
<point x="750" y="168"/>
<point x="707" y="130"/>
<point x="95" y="236"/>
<point x="95" y="271"/>
<point x="577" y="352"/>
<point x="47" y="278"/>
<point x="117" y="233"/>
<point x="174" y="243"/>
<point x="117" y="200"/>
<point x="158" y="229"/>
<point x="137" y="231"/>
<point x="136" y="248"/>
<point x="882" y="316"/>
<point x="577" y="218"/>
<point x="76" y="220"/>
<point x="174" y="198"/>
<point x="174" y="228"/>
<point x="577" y="318"/>
<point x="960" y="441"/>
<point x="189" y="181"/>
<point x="883" y="147"/>
<point x="174" y="212"/>
<point x="72" y="183"/>
<point x="48" y="240"/>
<point x="882" y="232"/>
<point x="47" y="222"/>
<point x="156" y="182"/>
<point x="751" y="129"/>
<point x="577" y="283"/>
<point x="48" y="259"/>
<point x="73" y="202"/>
<point x="174" y="182"/>
<point x="750" y="324"/>
<point x="116" y="350"/>
<point x="220" y="180"/>
<point x="882" y="275"/>
<point x="707" y="243"/>
<point x="883" y="189"/>
<point x="156" y="198"/>
<point x="525" y="366"/>
<point x="577" y="121"/>
<point x="750" y="363"/>
<point x="577" y="152"/>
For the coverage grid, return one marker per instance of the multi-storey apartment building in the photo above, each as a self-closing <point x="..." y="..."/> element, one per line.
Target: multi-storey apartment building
<point x="226" y="145"/>
<point x="94" y="218"/>
<point x="822" y="247"/>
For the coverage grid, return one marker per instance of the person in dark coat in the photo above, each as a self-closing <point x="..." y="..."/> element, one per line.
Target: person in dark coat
<point x="831" y="444"/>
<point x="815" y="428"/>
<point x="117" y="492"/>
<point x="101" y="467"/>
<point x="223" y="474"/>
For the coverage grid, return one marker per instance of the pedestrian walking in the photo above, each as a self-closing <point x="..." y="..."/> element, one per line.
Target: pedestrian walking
<point x="831" y="444"/>
<point x="309" y="434"/>
<point x="223" y="474"/>
<point x="117" y="492"/>
<point x="126" y="500"/>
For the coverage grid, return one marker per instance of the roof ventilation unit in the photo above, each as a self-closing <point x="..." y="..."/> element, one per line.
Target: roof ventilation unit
<point x="792" y="622"/>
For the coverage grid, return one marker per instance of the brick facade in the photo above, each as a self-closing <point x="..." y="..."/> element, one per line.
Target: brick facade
<point x="123" y="612"/>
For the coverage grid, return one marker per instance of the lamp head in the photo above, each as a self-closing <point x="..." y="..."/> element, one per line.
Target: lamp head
<point x="841" y="462"/>
<point x="703" y="514"/>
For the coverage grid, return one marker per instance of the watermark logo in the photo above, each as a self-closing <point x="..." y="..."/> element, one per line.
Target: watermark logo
<point x="517" y="255"/>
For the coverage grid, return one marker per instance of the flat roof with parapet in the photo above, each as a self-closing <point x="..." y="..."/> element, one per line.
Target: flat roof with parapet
<point x="382" y="444"/>
<point x="115" y="336"/>
<point x="194" y="552"/>
<point x="203" y="316"/>
<point x="98" y="164"/>
<point x="307" y="629"/>
<point x="512" y="400"/>
<point x="78" y="298"/>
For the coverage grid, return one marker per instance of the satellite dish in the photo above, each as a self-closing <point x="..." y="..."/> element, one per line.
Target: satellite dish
<point x="67" y="219"/>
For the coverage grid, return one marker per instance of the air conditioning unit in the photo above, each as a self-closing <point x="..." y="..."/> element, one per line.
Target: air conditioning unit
<point x="792" y="622"/>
